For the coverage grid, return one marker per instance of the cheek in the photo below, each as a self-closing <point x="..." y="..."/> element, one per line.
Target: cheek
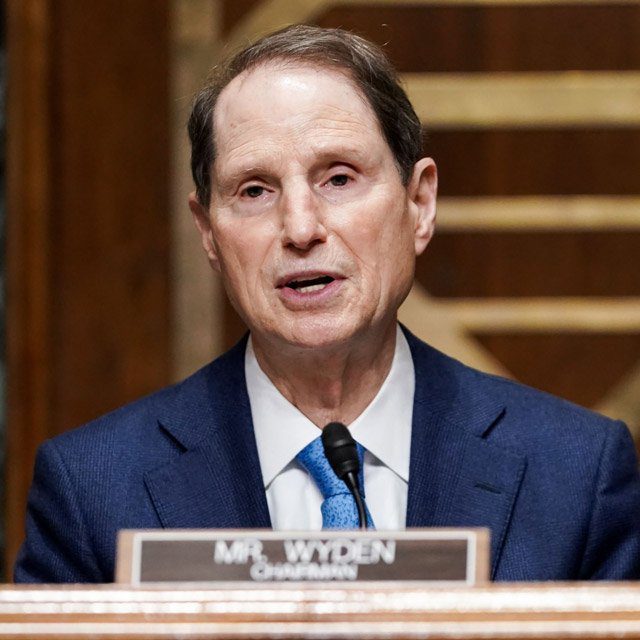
<point x="378" y="234"/>
<point x="243" y="247"/>
<point x="234" y="239"/>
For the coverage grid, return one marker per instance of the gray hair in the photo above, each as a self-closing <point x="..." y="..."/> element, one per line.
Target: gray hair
<point x="363" y="61"/>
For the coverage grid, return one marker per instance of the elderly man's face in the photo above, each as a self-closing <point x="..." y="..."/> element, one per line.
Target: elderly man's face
<point x="310" y="224"/>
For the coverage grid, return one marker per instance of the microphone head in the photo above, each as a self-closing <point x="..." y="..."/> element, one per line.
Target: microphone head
<point x="340" y="449"/>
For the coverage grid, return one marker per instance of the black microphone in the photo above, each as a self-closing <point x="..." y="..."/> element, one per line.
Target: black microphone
<point x="342" y="454"/>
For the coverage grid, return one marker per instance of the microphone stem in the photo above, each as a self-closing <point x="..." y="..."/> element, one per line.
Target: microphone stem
<point x="352" y="482"/>
<point x="362" y="514"/>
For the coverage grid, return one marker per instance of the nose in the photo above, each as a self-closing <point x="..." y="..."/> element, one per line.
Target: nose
<point x="302" y="225"/>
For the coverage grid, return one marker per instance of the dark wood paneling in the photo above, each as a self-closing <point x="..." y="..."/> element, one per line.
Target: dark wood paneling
<point x="28" y="277"/>
<point x="536" y="162"/>
<point x="498" y="38"/>
<point x="88" y="231"/>
<point x="234" y="10"/>
<point x="581" y="368"/>
<point x="111" y="218"/>
<point x="532" y="264"/>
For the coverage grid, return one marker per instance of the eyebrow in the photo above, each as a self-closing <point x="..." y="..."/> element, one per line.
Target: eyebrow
<point x="359" y="153"/>
<point x="235" y="177"/>
<point x="325" y="153"/>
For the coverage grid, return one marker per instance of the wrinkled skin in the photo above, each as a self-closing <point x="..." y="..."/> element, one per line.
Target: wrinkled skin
<point x="304" y="186"/>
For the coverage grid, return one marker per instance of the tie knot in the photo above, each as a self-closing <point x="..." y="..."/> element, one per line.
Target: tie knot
<point x="313" y="459"/>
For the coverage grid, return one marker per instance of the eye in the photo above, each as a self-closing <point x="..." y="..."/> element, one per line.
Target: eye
<point x="339" y="180"/>
<point x="253" y="191"/>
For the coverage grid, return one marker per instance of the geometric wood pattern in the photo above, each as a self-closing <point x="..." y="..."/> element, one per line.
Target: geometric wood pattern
<point x="537" y="138"/>
<point x="532" y="100"/>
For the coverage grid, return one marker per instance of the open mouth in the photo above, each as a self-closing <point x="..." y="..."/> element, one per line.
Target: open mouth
<point x="308" y="286"/>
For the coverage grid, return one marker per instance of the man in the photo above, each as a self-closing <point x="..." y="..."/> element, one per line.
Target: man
<point x="313" y="201"/>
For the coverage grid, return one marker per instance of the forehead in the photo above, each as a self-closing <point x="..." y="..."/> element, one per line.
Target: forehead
<point x="287" y="101"/>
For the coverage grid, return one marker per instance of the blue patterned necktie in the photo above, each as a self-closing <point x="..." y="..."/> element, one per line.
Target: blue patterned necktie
<point x="339" y="509"/>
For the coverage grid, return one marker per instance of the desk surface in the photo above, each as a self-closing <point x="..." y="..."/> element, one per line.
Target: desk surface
<point x="548" y="610"/>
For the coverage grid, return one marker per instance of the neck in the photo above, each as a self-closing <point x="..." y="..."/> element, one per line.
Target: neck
<point x="334" y="384"/>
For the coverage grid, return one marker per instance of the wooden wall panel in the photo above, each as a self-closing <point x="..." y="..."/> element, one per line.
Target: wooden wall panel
<point x="557" y="362"/>
<point x="468" y="38"/>
<point x="234" y="11"/>
<point x="557" y="264"/>
<point x="88" y="224"/>
<point x="553" y="160"/>
<point x="536" y="161"/>
<point x="28" y="265"/>
<point x="111" y="210"/>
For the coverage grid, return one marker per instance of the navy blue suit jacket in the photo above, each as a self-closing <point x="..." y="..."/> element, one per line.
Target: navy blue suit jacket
<point x="557" y="485"/>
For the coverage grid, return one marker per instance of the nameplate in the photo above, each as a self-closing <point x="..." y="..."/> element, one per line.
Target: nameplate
<point x="430" y="556"/>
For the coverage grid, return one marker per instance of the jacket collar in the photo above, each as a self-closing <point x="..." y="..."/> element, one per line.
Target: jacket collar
<point x="457" y="476"/>
<point x="216" y="481"/>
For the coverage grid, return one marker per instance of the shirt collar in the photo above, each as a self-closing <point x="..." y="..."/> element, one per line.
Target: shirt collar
<point x="383" y="428"/>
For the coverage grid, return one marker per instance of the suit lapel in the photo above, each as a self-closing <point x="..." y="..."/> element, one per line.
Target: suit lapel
<point x="216" y="481"/>
<point x="457" y="477"/>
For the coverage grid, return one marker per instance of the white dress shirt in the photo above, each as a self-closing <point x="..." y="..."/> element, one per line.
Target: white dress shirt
<point x="383" y="429"/>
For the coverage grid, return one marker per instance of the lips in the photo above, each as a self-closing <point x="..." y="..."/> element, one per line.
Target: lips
<point x="307" y="282"/>
<point x="309" y="285"/>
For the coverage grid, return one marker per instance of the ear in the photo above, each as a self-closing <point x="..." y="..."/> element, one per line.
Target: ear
<point x="421" y="193"/>
<point x="203" y="222"/>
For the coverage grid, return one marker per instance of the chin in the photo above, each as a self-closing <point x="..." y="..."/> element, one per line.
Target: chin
<point x="316" y="333"/>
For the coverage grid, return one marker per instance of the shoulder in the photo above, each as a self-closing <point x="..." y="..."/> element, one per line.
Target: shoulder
<point x="526" y="418"/>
